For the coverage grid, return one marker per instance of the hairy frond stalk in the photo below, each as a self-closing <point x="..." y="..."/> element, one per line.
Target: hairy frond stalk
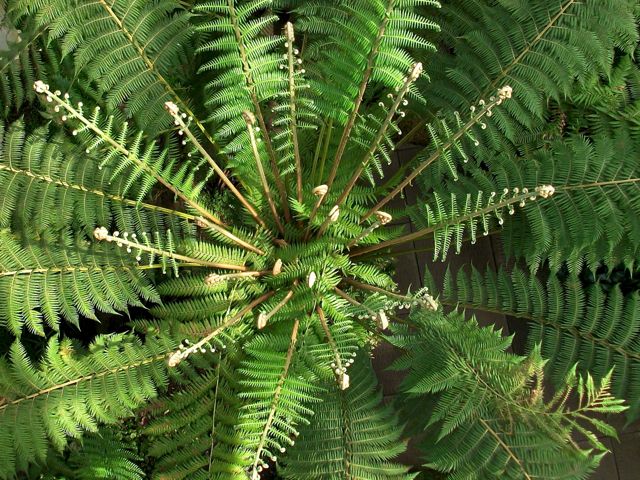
<point x="415" y="72"/>
<point x="543" y="191"/>
<point x="101" y="233"/>
<point x="485" y="108"/>
<point x="174" y="111"/>
<point x="41" y="87"/>
<point x="179" y="355"/>
<point x="249" y="118"/>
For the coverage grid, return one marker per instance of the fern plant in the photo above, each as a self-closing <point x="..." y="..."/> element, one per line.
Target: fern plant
<point x="195" y="232"/>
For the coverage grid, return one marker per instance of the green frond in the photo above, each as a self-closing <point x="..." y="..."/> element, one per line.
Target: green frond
<point x="352" y="41"/>
<point x="541" y="48"/>
<point x="106" y="454"/>
<point x="134" y="50"/>
<point x="38" y="169"/>
<point x="572" y="323"/>
<point x="21" y="65"/>
<point x="63" y="395"/>
<point x="449" y="220"/>
<point x="352" y="435"/>
<point x="193" y="431"/>
<point x="142" y="163"/>
<point x="41" y="284"/>
<point x="242" y="55"/>
<point x="278" y="392"/>
<point x="489" y="407"/>
<point x="589" y="175"/>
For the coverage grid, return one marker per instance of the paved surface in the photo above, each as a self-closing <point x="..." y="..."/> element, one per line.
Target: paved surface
<point x="624" y="461"/>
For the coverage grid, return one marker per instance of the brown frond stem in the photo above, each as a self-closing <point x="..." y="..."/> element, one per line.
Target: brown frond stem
<point x="175" y="113"/>
<point x="316" y="154"/>
<point x="371" y="288"/>
<point x="332" y="344"/>
<point x="506" y="448"/>
<point x="373" y="54"/>
<point x="415" y="72"/>
<point x="248" y="75"/>
<point x="201" y="222"/>
<point x="292" y="106"/>
<point x="418" y="169"/>
<point x="264" y="318"/>
<point x="101" y="234"/>
<point x="383" y="219"/>
<point x="325" y="150"/>
<point x="320" y="192"/>
<point x="332" y="217"/>
<point x="179" y="355"/>
<point x="41" y="87"/>
<point x="250" y="121"/>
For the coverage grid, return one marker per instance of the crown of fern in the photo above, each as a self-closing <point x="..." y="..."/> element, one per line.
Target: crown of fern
<point x="247" y="219"/>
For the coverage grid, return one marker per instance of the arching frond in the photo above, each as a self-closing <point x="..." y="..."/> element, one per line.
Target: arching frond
<point x="39" y="169"/>
<point x="488" y="406"/>
<point x="73" y="386"/>
<point x="41" y="284"/>
<point x="540" y="48"/>
<point x="352" y="435"/>
<point x="134" y="49"/>
<point x="599" y="331"/>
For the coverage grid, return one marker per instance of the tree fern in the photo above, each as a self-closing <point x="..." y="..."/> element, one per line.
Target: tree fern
<point x="211" y="170"/>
